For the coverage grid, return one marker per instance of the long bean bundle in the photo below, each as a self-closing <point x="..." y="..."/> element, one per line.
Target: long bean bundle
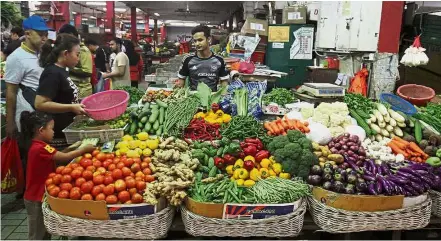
<point x="241" y="127"/>
<point x="179" y="114"/>
<point x="279" y="190"/>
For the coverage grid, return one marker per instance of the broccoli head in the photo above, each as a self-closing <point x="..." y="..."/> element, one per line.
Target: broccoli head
<point x="291" y="166"/>
<point x="291" y="151"/>
<point x="305" y="143"/>
<point x="294" y="135"/>
<point x="278" y="142"/>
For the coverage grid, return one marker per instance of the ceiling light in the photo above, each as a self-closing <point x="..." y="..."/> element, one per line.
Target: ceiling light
<point x="96" y="3"/>
<point x="156" y="14"/>
<point x="142" y="21"/>
<point x="74" y="12"/>
<point x="138" y="10"/>
<point x="84" y="19"/>
<point x="117" y="9"/>
<point x="92" y="17"/>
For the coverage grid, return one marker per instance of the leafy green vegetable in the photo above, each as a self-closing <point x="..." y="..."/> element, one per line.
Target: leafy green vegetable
<point x="241" y="127"/>
<point x="279" y="190"/>
<point x="431" y="114"/>
<point x="206" y="97"/>
<point x="135" y="93"/>
<point x="280" y="96"/>
<point x="241" y="101"/>
<point x="359" y="102"/>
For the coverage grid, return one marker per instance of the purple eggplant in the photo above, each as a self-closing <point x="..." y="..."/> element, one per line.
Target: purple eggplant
<point x="397" y="180"/>
<point x="378" y="187"/>
<point x="419" y="188"/>
<point x="409" y="170"/>
<point x="428" y="181"/>
<point x="338" y="187"/>
<point x="422" y="172"/>
<point x="380" y="171"/>
<point x="385" y="169"/>
<point x="386" y="187"/>
<point x="368" y="173"/>
<point x="327" y="185"/>
<point x="361" y="187"/>
<point x="350" y="189"/>
<point x="419" y="167"/>
<point x="410" y="189"/>
<point x="368" y="178"/>
<point x="404" y="174"/>
<point x="371" y="189"/>
<point x="350" y="162"/>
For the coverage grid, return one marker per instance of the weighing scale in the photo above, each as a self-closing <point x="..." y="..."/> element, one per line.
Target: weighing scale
<point x="322" y="90"/>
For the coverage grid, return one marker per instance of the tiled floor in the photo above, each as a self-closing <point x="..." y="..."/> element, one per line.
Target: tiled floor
<point x="14" y="219"/>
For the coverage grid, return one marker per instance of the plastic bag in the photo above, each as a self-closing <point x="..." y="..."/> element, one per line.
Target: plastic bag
<point x="358" y="84"/>
<point x="12" y="169"/>
<point x="256" y="90"/>
<point x="414" y="55"/>
<point x="246" y="67"/>
<point x="319" y="133"/>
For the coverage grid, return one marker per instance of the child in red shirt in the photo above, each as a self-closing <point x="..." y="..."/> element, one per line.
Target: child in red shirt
<point x="39" y="128"/>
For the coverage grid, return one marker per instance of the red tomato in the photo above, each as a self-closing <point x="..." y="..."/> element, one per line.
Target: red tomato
<point x="52" y="174"/>
<point x="149" y="178"/>
<point x="96" y="190"/>
<point x="88" y="156"/>
<point x="120" y="185"/>
<point x="137" y="160"/>
<point x="147" y="159"/>
<point x="66" y="178"/>
<point x="128" y="162"/>
<point x="101" y="156"/>
<point x="111" y="199"/>
<point x="49" y="182"/>
<point x="95" y="152"/>
<point x="86" y="187"/>
<point x="144" y="165"/>
<point x="111" y="167"/>
<point x="137" y="198"/>
<point x="85" y="162"/>
<point x="146" y="171"/>
<point x="76" y="173"/>
<point x="110" y="156"/>
<point x="98" y="179"/>
<point x="59" y="169"/>
<point x="63" y="194"/>
<point x="106" y="163"/>
<point x="80" y="181"/>
<point x="54" y="191"/>
<point x="88" y="175"/>
<point x="79" y="168"/>
<point x="123" y="196"/>
<point x="50" y="186"/>
<point x="141" y="185"/>
<point x="108" y="180"/>
<point x="101" y="170"/>
<point x="139" y="179"/>
<point x="128" y="202"/>
<point x="132" y="191"/>
<point x="66" y="186"/>
<point x="91" y="168"/>
<point x="75" y="194"/>
<point x="117" y="174"/>
<point x="86" y="197"/>
<point x="97" y="164"/>
<point x="100" y="197"/>
<point x="126" y="171"/>
<point x="139" y="174"/>
<point x="120" y="165"/>
<point x="109" y="190"/>
<point x="131" y="183"/>
<point x="136" y="167"/>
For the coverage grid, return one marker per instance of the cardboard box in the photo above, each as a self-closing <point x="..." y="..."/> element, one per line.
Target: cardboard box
<point x="98" y="210"/>
<point x="239" y="211"/>
<point x="294" y="15"/>
<point x="357" y="202"/>
<point x="253" y="26"/>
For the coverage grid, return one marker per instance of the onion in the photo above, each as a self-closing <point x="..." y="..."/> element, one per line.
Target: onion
<point x="346" y="135"/>
<point x="361" y="153"/>
<point x="353" y="148"/>
<point x="342" y="142"/>
<point x="344" y="147"/>
<point x="331" y="144"/>
<point x="357" y="157"/>
<point x="354" y="138"/>
<point x="350" y="153"/>
<point x="334" y="150"/>
<point x="351" y="143"/>
<point x="337" y="145"/>
<point x="345" y="139"/>
<point x="352" y="159"/>
<point x="341" y="152"/>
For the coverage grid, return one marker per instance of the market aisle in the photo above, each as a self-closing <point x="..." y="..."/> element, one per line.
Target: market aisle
<point x="14" y="219"/>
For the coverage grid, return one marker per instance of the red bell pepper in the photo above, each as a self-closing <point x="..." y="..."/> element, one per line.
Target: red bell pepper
<point x="219" y="162"/>
<point x="250" y="150"/>
<point x="255" y="142"/>
<point x="215" y="107"/>
<point x="262" y="155"/>
<point x="248" y="165"/>
<point x="229" y="159"/>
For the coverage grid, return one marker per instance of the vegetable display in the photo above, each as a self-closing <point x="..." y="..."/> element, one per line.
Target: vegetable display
<point x="149" y="118"/>
<point x="410" y="150"/>
<point x="359" y="102"/>
<point x="280" y="96"/>
<point x="335" y="116"/>
<point x="215" y="115"/>
<point x="140" y="146"/>
<point x="153" y="95"/>
<point x="201" y="130"/>
<point x="134" y="93"/>
<point x="431" y="115"/>
<point x="350" y="146"/>
<point x="179" y="115"/>
<point x="281" y="126"/>
<point x="241" y="127"/>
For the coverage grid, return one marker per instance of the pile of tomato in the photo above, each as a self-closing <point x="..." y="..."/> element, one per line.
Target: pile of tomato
<point x="101" y="177"/>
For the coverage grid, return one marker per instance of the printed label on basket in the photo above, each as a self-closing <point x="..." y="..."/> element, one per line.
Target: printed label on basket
<point x="257" y="211"/>
<point x="130" y="211"/>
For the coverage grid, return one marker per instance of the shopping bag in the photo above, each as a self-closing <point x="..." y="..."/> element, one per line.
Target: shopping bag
<point x="12" y="169"/>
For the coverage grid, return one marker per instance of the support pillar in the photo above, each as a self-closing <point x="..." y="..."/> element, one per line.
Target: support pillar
<point x="155" y="32"/>
<point x="109" y="25"/>
<point x="147" y="24"/>
<point x="133" y="25"/>
<point x="99" y="22"/>
<point x="163" y="33"/>
<point x="77" y="20"/>
<point x="390" y="27"/>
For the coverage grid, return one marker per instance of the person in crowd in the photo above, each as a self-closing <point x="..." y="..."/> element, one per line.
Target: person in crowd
<point x="93" y="46"/>
<point x="136" y="63"/>
<point x="17" y="36"/>
<point x="22" y="74"/>
<point x="57" y="94"/>
<point x="203" y="66"/>
<point x="82" y="72"/>
<point x="121" y="67"/>
<point x="38" y="128"/>
<point x="101" y="56"/>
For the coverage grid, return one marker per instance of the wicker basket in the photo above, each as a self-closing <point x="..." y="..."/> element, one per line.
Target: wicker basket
<point x="153" y="226"/>
<point x="436" y="202"/>
<point x="334" y="220"/>
<point x="288" y="225"/>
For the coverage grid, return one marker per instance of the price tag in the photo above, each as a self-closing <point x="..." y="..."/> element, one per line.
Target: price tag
<point x="278" y="45"/>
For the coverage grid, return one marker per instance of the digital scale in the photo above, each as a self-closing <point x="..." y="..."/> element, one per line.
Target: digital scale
<point x="322" y="90"/>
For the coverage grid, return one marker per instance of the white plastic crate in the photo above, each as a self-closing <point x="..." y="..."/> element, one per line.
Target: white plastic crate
<point x="150" y="78"/>
<point x="74" y="135"/>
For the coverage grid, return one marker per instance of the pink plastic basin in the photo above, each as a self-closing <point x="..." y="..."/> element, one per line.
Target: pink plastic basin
<point x="106" y="105"/>
<point x="418" y="95"/>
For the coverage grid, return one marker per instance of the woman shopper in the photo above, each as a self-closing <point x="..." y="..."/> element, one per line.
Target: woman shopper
<point x="57" y="94"/>
<point x="37" y="127"/>
<point x="136" y="63"/>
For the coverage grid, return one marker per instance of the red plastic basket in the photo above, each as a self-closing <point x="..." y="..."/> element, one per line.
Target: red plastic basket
<point x="416" y="94"/>
<point x="106" y="105"/>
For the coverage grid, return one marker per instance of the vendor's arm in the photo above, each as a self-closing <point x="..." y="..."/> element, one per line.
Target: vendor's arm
<point x="183" y="73"/>
<point x="120" y="68"/>
<point x="85" y="69"/>
<point x="14" y="73"/>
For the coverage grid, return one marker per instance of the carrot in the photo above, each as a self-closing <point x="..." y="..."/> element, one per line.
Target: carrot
<point x="275" y="128"/>
<point x="396" y="138"/>
<point x="284" y="133"/>
<point x="418" y="159"/>
<point x="401" y="145"/>
<point x="285" y="124"/>
<point x="414" y="147"/>
<point x="268" y="126"/>
<point x="397" y="150"/>
<point x="269" y="133"/>
<point x="279" y="124"/>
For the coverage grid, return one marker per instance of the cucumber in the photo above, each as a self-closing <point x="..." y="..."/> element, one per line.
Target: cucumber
<point x="133" y="127"/>
<point x="148" y="126"/>
<point x="363" y="114"/>
<point x="159" y="131"/>
<point x="140" y="125"/>
<point x="156" y="125"/>
<point x="161" y="103"/>
<point x="154" y="116"/>
<point x="418" y="131"/>
<point x="144" y="119"/>
<point x="144" y="114"/>
<point x="361" y="122"/>
<point x="161" y="115"/>
<point x="212" y="172"/>
<point x="146" y="107"/>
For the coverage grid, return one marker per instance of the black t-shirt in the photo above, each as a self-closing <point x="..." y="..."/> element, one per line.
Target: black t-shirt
<point x="56" y="84"/>
<point x="101" y="58"/>
<point x="209" y="70"/>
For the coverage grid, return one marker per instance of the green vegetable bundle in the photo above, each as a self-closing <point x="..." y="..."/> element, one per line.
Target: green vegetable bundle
<point x="280" y="96"/>
<point x="241" y="127"/>
<point x="279" y="190"/>
<point x="359" y="102"/>
<point x="431" y="115"/>
<point x="179" y="114"/>
<point x="135" y="93"/>
<point x="294" y="152"/>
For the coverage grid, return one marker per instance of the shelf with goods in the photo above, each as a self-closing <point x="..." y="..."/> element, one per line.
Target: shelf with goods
<point x="218" y="157"/>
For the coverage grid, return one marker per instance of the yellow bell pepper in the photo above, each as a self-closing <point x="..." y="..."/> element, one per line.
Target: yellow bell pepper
<point x="219" y="113"/>
<point x="255" y="174"/>
<point x="226" y="118"/>
<point x="243" y="173"/>
<point x="277" y="167"/>
<point x="210" y="120"/>
<point x="240" y="182"/>
<point x="264" y="172"/>
<point x="236" y="173"/>
<point x="219" y="121"/>
<point x="229" y="169"/>
<point x="272" y="159"/>
<point x="249" y="158"/>
<point x="285" y="175"/>
<point x="199" y="115"/>
<point x="238" y="164"/>
<point x="232" y="179"/>
<point x="152" y="144"/>
<point x="265" y="163"/>
<point x="142" y="136"/>
<point x="249" y="183"/>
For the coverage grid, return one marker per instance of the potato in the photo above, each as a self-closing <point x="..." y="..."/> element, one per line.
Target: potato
<point x="325" y="150"/>
<point x="337" y="158"/>
<point x="315" y="146"/>
<point x="323" y="159"/>
<point x="318" y="153"/>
